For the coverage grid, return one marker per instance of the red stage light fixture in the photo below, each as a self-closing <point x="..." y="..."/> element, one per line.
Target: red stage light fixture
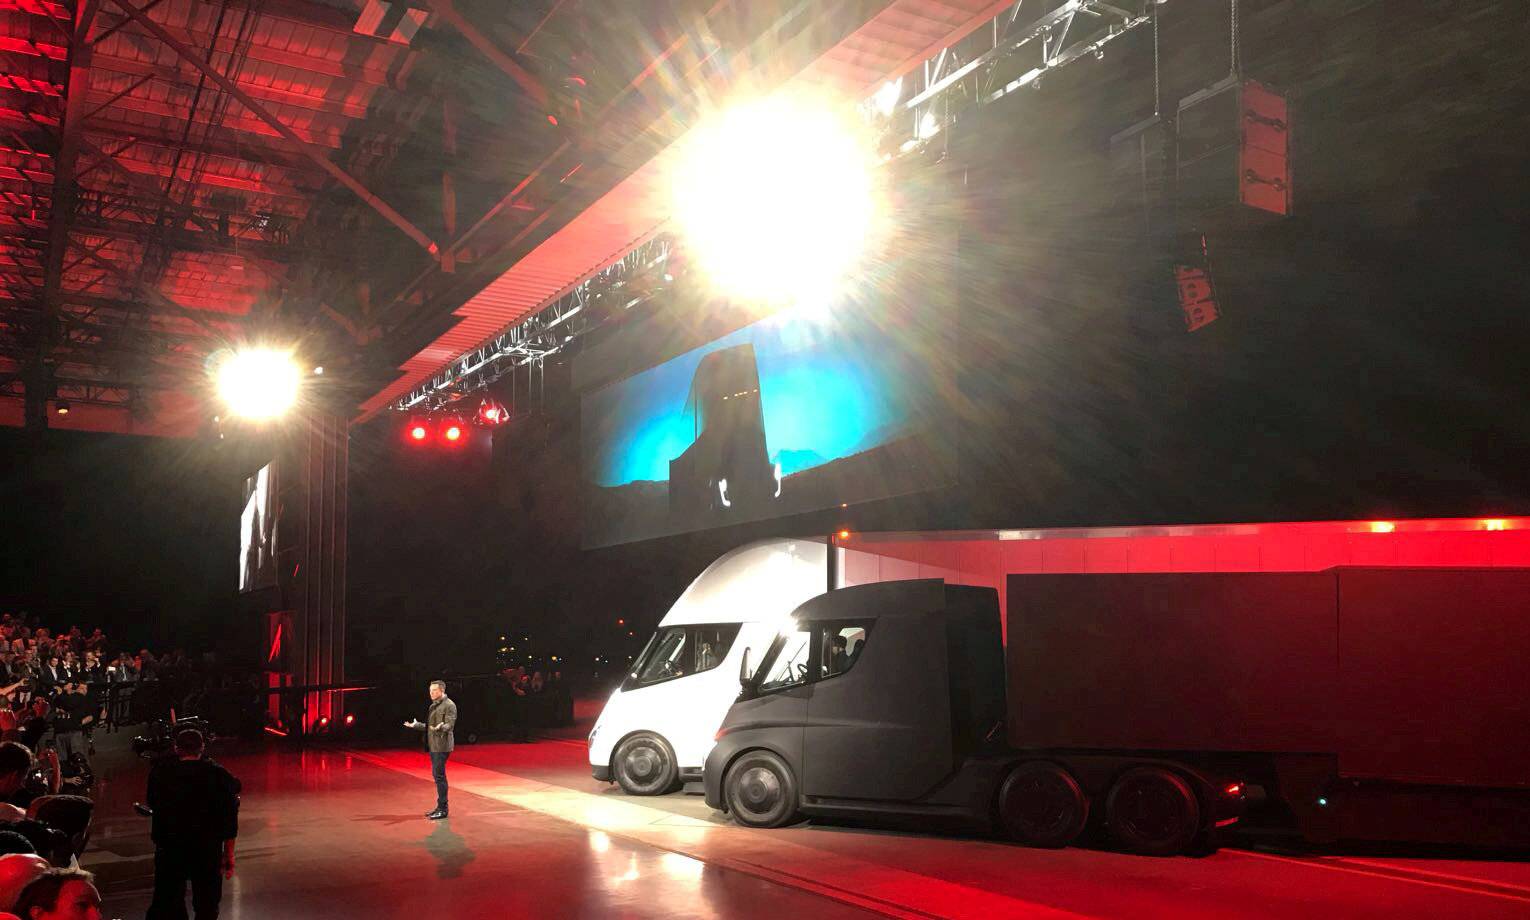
<point x="492" y="412"/>
<point x="452" y="433"/>
<point x="350" y="718"/>
<point x="323" y="721"/>
<point x="417" y="429"/>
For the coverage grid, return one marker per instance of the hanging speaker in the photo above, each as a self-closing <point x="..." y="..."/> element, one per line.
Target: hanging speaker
<point x="1233" y="149"/>
<point x="1197" y="291"/>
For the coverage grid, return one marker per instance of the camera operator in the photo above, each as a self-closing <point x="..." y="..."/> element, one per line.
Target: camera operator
<point x="195" y="804"/>
<point x="19" y="783"/>
<point x="71" y="711"/>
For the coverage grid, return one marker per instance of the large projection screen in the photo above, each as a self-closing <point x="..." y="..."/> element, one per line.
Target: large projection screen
<point x="257" y="531"/>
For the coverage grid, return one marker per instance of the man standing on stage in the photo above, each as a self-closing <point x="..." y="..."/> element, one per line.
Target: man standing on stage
<point x="438" y="725"/>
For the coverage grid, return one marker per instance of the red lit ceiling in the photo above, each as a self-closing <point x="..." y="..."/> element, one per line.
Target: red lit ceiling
<point x="144" y="212"/>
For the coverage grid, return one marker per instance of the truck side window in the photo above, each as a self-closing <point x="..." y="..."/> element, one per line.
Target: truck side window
<point x="842" y="644"/>
<point x="790" y="664"/>
<point x="679" y="651"/>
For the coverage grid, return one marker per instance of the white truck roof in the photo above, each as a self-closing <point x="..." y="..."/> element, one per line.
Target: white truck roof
<point x="757" y="582"/>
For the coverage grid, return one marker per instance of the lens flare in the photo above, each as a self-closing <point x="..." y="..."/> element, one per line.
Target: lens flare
<point x="778" y="199"/>
<point x="259" y="383"/>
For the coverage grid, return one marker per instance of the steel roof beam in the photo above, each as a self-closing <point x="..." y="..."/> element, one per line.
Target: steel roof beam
<point x="240" y="147"/>
<point x="200" y="241"/>
<point x="64" y="187"/>
<point x="368" y="76"/>
<point x="529" y="84"/>
<point x="159" y="301"/>
<point x="309" y="15"/>
<point x="255" y="108"/>
<point x="317" y="135"/>
<point x="37" y="8"/>
<point x="171" y="76"/>
<point x="143" y="184"/>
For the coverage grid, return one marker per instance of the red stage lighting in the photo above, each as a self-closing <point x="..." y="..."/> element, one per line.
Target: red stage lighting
<point x="418" y="432"/>
<point x="491" y="413"/>
<point x="350" y="718"/>
<point x="323" y="721"/>
<point x="452" y="433"/>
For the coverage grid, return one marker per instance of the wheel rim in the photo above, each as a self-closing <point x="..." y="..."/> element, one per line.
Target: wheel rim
<point x="1151" y="810"/>
<point x="1041" y="804"/>
<point x="643" y="764"/>
<point x="758" y="790"/>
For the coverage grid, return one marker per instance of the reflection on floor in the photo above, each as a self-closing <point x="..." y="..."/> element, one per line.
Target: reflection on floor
<point x="341" y="834"/>
<point x="331" y="835"/>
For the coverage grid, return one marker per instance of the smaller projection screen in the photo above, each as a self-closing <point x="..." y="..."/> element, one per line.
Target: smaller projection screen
<point x="793" y="413"/>
<point x="257" y="532"/>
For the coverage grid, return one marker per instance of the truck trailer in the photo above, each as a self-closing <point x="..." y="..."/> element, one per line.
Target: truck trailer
<point x="1352" y="703"/>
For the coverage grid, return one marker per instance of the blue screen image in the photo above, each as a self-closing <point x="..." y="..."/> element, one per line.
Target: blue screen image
<point x="826" y="392"/>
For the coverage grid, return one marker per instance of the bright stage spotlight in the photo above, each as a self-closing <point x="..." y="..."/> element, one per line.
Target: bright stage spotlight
<point x="259" y="383"/>
<point x="778" y="199"/>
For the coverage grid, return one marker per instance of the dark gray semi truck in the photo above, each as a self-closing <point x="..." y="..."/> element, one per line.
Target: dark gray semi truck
<point x="1380" y="704"/>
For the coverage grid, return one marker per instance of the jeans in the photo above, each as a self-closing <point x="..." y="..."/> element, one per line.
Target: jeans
<point x="69" y="744"/>
<point x="438" y="773"/>
<point x="199" y="864"/>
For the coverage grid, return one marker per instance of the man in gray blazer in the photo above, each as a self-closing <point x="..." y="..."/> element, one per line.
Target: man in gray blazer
<point x="438" y="725"/>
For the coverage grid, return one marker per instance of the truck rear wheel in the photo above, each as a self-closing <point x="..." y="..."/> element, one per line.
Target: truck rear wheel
<point x="1042" y="805"/>
<point x="761" y="791"/>
<point x="645" y="765"/>
<point x="1153" y="811"/>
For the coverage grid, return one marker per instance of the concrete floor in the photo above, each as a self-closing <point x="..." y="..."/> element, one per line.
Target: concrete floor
<point x="339" y="834"/>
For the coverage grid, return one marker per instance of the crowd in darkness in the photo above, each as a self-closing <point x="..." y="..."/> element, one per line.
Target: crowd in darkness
<point x="56" y="691"/>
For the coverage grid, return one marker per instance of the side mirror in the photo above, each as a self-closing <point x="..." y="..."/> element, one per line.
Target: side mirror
<point x="743" y="670"/>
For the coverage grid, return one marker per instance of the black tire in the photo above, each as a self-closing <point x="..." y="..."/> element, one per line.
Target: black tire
<point x="1153" y="812"/>
<point x="1042" y="805"/>
<point x="645" y="765"/>
<point x="761" y="791"/>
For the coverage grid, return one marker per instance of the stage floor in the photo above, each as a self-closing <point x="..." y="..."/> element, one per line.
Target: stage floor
<point x="340" y="834"/>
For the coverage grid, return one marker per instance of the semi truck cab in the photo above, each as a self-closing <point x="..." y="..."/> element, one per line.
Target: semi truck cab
<point x="889" y="700"/>
<point x="657" y="727"/>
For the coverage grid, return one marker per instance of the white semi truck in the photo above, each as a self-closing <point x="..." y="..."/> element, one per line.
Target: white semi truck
<point x="657" y="728"/>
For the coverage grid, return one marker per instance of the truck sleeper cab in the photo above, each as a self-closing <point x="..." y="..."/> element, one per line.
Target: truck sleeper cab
<point x="657" y="727"/>
<point x="889" y="700"/>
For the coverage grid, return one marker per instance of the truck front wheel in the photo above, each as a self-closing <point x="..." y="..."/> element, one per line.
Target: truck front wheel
<point x="761" y="791"/>
<point x="645" y="765"/>
<point x="1042" y="805"/>
<point x="1153" y="811"/>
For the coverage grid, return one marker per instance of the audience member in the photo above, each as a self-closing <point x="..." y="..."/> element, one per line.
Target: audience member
<point x="67" y="814"/>
<point x="36" y="721"/>
<point x="16" y="770"/>
<point x="70" y="708"/>
<point x="60" y="894"/>
<point x="12" y="842"/>
<point x="17" y="871"/>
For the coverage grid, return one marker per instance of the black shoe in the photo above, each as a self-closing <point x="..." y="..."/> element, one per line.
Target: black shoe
<point x="437" y="815"/>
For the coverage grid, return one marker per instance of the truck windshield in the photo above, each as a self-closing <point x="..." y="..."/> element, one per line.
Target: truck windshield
<point x="677" y="651"/>
<point x="787" y="663"/>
